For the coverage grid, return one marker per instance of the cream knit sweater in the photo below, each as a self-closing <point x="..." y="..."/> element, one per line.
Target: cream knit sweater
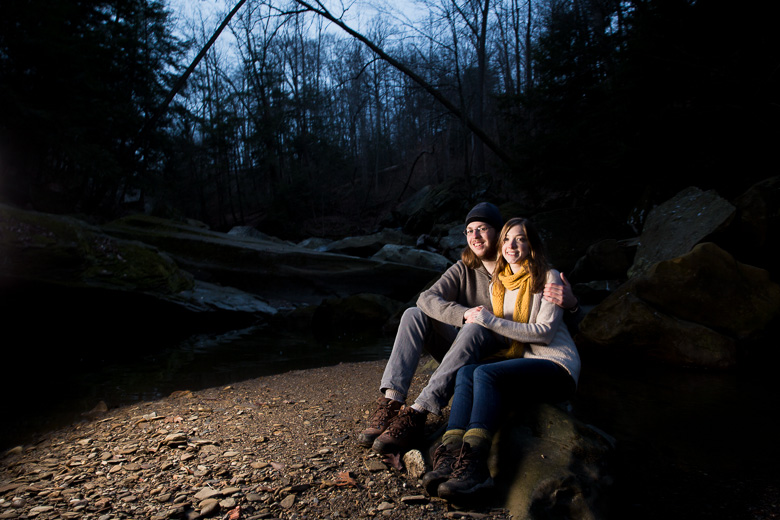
<point x="545" y="333"/>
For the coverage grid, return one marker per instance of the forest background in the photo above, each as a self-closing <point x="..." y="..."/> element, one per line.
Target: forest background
<point x="307" y="128"/>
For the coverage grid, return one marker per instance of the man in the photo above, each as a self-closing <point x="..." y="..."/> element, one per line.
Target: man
<point x="437" y="324"/>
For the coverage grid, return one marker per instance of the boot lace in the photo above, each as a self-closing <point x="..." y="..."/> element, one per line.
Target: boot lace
<point x="464" y="462"/>
<point x="382" y="414"/>
<point x="443" y="457"/>
<point x="406" y="420"/>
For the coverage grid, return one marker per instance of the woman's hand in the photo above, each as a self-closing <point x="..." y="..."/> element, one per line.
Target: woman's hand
<point x="469" y="315"/>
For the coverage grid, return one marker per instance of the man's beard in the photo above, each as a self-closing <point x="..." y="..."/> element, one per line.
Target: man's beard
<point x="490" y="253"/>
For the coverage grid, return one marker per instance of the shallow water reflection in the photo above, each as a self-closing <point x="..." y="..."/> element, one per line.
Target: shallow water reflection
<point x="64" y="387"/>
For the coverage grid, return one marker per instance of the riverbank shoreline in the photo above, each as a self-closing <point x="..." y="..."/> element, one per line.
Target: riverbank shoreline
<point x="278" y="446"/>
<point x="284" y="446"/>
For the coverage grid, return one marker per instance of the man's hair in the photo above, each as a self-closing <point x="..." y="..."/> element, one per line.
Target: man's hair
<point x="537" y="262"/>
<point x="471" y="260"/>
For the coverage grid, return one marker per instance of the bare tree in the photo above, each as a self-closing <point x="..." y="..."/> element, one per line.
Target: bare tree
<point x="188" y="72"/>
<point x="317" y="7"/>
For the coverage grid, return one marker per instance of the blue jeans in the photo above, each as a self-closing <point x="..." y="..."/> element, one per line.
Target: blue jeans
<point x="453" y="347"/>
<point x="481" y="390"/>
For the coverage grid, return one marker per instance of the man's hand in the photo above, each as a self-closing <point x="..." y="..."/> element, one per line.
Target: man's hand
<point x="560" y="295"/>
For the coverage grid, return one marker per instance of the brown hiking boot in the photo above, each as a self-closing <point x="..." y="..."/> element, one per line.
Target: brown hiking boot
<point x="387" y="409"/>
<point x="470" y="477"/>
<point x="443" y="460"/>
<point x="403" y="432"/>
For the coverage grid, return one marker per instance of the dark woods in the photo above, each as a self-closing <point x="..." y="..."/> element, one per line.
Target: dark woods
<point x="300" y="129"/>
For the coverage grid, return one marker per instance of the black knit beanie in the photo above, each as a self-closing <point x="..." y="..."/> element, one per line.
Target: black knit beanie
<point x="487" y="213"/>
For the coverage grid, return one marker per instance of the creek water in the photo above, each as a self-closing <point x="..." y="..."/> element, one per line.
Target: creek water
<point x="45" y="391"/>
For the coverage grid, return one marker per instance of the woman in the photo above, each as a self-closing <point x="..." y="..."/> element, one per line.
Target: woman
<point x="538" y="362"/>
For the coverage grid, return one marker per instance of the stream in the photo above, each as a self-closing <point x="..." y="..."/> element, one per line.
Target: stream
<point x="59" y="389"/>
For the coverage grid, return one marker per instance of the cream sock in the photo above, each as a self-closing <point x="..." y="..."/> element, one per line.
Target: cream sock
<point x="418" y="408"/>
<point x="395" y="395"/>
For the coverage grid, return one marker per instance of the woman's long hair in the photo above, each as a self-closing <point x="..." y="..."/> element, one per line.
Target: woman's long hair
<point x="536" y="263"/>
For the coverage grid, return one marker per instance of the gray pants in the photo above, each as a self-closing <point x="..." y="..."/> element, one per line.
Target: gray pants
<point x="450" y="346"/>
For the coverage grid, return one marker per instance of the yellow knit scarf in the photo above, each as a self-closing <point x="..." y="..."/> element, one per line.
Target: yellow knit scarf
<point x="507" y="280"/>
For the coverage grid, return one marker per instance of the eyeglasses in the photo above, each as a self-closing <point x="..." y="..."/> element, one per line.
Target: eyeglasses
<point x="482" y="230"/>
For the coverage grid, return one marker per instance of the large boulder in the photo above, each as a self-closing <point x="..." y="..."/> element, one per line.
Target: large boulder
<point x="630" y="328"/>
<point x="353" y="315"/>
<point x="412" y="256"/>
<point x="43" y="248"/>
<point x="445" y="202"/>
<point x="693" y="310"/>
<point x="607" y="259"/>
<point x="757" y="226"/>
<point x="550" y="465"/>
<point x="252" y="232"/>
<point x="365" y="246"/>
<point x="567" y="233"/>
<point x="315" y="243"/>
<point x="453" y="241"/>
<point x="674" y="227"/>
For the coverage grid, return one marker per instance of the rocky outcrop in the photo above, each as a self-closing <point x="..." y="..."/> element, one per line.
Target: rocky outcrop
<point x="691" y="311"/>
<point x="445" y="202"/>
<point x="152" y="273"/>
<point x="62" y="250"/>
<point x="355" y="314"/>
<point x="757" y="227"/>
<point x="552" y="465"/>
<point x="365" y="246"/>
<point x="568" y="232"/>
<point x="453" y="242"/>
<point x="271" y="269"/>
<point x="678" y="224"/>
<point x="607" y="259"/>
<point x="412" y="256"/>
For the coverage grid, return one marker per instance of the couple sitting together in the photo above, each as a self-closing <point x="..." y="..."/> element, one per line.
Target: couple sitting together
<point x="494" y="322"/>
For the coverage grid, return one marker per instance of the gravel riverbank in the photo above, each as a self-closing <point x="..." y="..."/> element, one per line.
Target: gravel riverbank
<point x="280" y="446"/>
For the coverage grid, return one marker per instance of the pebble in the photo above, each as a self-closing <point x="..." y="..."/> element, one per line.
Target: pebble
<point x="206" y="493"/>
<point x="208" y="506"/>
<point x="374" y="465"/>
<point x="415" y="463"/>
